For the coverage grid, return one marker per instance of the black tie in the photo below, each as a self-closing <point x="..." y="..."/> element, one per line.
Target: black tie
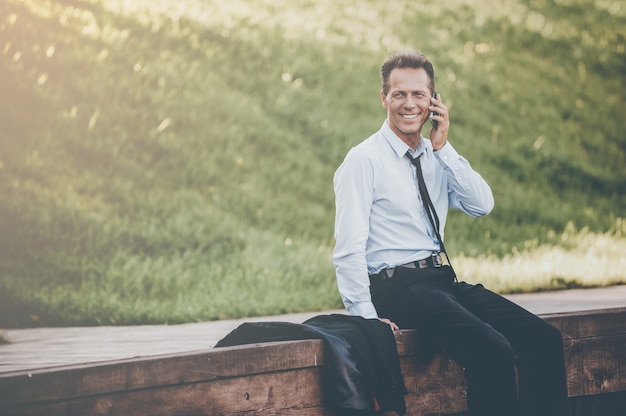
<point x="428" y="204"/>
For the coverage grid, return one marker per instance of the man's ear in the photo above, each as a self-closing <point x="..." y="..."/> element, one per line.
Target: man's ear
<point x="383" y="98"/>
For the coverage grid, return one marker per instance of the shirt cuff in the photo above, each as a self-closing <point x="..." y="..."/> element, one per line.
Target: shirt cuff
<point x="447" y="154"/>
<point x="364" y="309"/>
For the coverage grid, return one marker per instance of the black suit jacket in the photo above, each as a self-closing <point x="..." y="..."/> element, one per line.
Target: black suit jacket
<point x="361" y="373"/>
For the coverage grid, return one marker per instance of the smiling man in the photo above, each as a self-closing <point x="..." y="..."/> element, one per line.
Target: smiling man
<point x="393" y="192"/>
<point x="406" y="96"/>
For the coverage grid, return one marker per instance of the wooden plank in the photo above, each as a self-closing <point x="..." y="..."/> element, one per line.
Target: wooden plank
<point x="589" y="323"/>
<point x="282" y="393"/>
<point x="283" y="377"/>
<point x="596" y="365"/>
<point x="436" y="385"/>
<point x="148" y="372"/>
<point x="595" y="350"/>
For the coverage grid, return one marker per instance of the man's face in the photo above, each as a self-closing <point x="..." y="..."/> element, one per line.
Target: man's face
<point x="407" y="103"/>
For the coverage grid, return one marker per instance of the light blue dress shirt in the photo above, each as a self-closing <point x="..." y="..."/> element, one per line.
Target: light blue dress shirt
<point x="380" y="220"/>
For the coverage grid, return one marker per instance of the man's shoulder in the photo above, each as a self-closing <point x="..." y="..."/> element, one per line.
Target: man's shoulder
<point x="370" y="147"/>
<point x="361" y="158"/>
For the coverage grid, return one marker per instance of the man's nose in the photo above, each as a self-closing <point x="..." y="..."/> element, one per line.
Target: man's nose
<point x="410" y="102"/>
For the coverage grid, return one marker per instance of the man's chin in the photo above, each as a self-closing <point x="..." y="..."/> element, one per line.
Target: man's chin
<point x="412" y="130"/>
<point x="408" y="130"/>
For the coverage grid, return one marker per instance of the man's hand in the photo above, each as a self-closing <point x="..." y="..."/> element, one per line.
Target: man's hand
<point x="439" y="136"/>
<point x="393" y="326"/>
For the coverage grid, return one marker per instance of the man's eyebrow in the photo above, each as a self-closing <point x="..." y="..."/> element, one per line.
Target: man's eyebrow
<point x="400" y="90"/>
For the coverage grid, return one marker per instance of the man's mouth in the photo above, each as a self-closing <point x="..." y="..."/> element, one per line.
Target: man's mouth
<point x="409" y="116"/>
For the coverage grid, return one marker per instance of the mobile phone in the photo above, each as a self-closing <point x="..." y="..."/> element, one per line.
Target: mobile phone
<point x="435" y="123"/>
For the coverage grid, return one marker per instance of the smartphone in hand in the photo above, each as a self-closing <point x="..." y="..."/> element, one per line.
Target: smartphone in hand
<point x="435" y="123"/>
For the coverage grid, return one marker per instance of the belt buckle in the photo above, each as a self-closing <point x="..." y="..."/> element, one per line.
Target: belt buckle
<point x="388" y="273"/>
<point x="437" y="260"/>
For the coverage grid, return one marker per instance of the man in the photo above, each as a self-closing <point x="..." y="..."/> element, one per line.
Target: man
<point x="389" y="246"/>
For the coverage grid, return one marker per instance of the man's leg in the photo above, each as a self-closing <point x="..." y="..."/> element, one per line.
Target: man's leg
<point x="537" y="344"/>
<point x="429" y="304"/>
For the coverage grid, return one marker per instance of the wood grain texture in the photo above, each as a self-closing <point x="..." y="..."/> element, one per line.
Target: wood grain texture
<point x="283" y="378"/>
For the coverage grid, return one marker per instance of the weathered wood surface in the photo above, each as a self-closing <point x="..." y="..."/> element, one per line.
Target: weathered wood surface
<point x="595" y="350"/>
<point x="283" y="378"/>
<point x="35" y="348"/>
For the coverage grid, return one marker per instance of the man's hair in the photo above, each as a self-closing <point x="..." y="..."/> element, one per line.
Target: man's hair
<point x="406" y="59"/>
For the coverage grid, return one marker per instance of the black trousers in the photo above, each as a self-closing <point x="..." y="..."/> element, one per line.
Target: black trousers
<point x="488" y="335"/>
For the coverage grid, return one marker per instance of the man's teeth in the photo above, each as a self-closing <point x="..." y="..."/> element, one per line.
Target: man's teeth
<point x="409" y="116"/>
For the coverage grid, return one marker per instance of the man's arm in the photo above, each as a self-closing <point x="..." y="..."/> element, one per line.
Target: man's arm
<point x="467" y="190"/>
<point x="353" y="183"/>
<point x="470" y="193"/>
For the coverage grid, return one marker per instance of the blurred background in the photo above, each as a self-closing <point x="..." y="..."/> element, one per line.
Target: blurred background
<point x="166" y="161"/>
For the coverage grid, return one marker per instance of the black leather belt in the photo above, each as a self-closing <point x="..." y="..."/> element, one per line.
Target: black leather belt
<point x="433" y="261"/>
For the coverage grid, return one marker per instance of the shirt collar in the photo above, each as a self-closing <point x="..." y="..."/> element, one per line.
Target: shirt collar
<point x="398" y="146"/>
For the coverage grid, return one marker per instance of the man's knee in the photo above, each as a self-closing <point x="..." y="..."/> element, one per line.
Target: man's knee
<point x="489" y="350"/>
<point x="499" y="350"/>
<point x="552" y="342"/>
<point x="548" y="336"/>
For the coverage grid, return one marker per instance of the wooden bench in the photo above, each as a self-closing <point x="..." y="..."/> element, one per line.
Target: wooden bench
<point x="283" y="378"/>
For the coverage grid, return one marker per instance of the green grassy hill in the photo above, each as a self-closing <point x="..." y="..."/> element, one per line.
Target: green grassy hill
<point x="166" y="162"/>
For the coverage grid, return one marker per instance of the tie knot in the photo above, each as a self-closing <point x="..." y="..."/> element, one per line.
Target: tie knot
<point x="416" y="160"/>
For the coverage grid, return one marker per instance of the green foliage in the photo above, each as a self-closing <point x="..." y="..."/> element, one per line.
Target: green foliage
<point x="166" y="162"/>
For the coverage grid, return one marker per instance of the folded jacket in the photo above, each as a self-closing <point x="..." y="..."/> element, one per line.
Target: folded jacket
<point x="361" y="372"/>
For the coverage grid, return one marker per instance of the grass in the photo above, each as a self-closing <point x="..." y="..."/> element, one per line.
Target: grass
<point x="168" y="162"/>
<point x="583" y="260"/>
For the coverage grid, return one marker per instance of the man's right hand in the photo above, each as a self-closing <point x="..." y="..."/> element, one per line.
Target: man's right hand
<point x="393" y="326"/>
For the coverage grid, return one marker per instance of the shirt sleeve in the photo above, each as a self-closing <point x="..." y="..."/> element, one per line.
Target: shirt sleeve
<point x="467" y="190"/>
<point x="353" y="183"/>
